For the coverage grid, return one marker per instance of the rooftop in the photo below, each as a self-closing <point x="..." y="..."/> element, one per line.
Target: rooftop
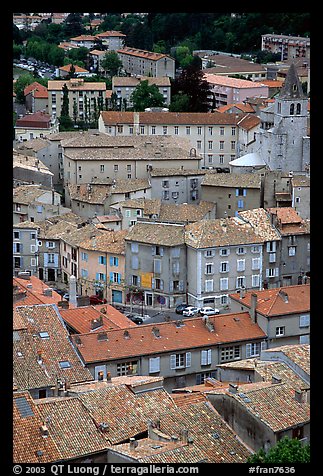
<point x="146" y="340"/>
<point x="279" y="301"/>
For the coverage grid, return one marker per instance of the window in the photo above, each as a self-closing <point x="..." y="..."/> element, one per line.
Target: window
<point x="131" y="130"/>
<point x="32" y="248"/>
<point x="210" y="144"/>
<point x="157" y="266"/>
<point x="84" y="273"/>
<point x="210" y="130"/>
<point x="304" y="320"/>
<point x="292" y="251"/>
<point x="44" y="335"/>
<point x="179" y="361"/>
<point x="188" y="130"/>
<point x="134" y="247"/>
<point x="233" y="131"/>
<point x="230" y="353"/>
<point x="224" y="267"/>
<point x="255" y="249"/>
<point x="200" y="378"/>
<point x="271" y="246"/>
<point x="224" y="252"/>
<point x="208" y="285"/>
<point x="114" y="278"/>
<point x="209" y="253"/>
<point x="241" y="264"/>
<point x="50" y="244"/>
<point x="116" y="167"/>
<point x="154" y="365"/>
<point x="255" y="263"/>
<point x="64" y="364"/>
<point x="165" y="195"/>
<point x="233" y="145"/>
<point x="176" y="130"/>
<point x="224" y="284"/>
<point x="280" y="331"/>
<point x="84" y="256"/>
<point x="221" y="159"/>
<point x="102" y="260"/>
<point x="221" y="145"/>
<point x="206" y="357"/>
<point x="17" y="247"/>
<point x="175" y="195"/>
<point x="100" y="277"/>
<point x="199" y="130"/>
<point x="142" y="129"/>
<point x="135" y="262"/>
<point x="255" y="280"/>
<point x="16" y="235"/>
<point x="114" y="261"/>
<point x="101" y="168"/>
<point x="127" y="368"/>
<point x="120" y="129"/>
<point x="252" y="350"/>
<point x="221" y="131"/>
<point x="153" y="130"/>
<point x="209" y="268"/>
<point x="241" y="282"/>
<point x="164" y="130"/>
<point x="241" y="250"/>
<point x="272" y="272"/>
<point x="51" y="258"/>
<point x="199" y="144"/>
<point x="240" y="204"/>
<point x="32" y="235"/>
<point x="135" y="280"/>
<point x="272" y="257"/>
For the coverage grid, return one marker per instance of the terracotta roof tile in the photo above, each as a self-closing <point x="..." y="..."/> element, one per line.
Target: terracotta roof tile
<point x="34" y="292"/>
<point x="156" y="234"/>
<point x="29" y="446"/>
<point x="141" y="340"/>
<point x="271" y="302"/>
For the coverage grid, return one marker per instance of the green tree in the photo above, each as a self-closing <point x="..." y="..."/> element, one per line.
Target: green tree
<point x="191" y="83"/>
<point x="286" y="451"/>
<point x="73" y="25"/>
<point x="23" y="81"/>
<point x="111" y="63"/>
<point x="65" y="121"/>
<point x="179" y="103"/>
<point x="146" y="96"/>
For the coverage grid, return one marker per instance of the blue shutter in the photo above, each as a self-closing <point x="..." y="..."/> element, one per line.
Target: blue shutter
<point x="97" y="277"/>
<point x="173" y="361"/>
<point x="56" y="260"/>
<point x="45" y="259"/>
<point x="237" y="192"/>
<point x="116" y="262"/>
<point x="104" y="277"/>
<point x="119" y="278"/>
<point x="244" y="192"/>
<point x="188" y="359"/>
<point x="111" y="277"/>
<point x="111" y="260"/>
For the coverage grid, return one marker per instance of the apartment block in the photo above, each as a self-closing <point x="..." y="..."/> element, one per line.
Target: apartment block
<point x="146" y="63"/>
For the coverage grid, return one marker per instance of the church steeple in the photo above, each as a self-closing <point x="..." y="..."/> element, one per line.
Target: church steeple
<point x="292" y="88"/>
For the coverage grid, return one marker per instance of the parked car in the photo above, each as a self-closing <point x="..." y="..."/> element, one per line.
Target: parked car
<point x="96" y="300"/>
<point x="135" y="318"/>
<point x="67" y="296"/>
<point x="209" y="311"/>
<point x="191" y="311"/>
<point x="180" y="308"/>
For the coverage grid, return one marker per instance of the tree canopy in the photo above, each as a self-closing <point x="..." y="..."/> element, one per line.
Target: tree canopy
<point x="286" y="450"/>
<point x="145" y="95"/>
<point x="191" y="84"/>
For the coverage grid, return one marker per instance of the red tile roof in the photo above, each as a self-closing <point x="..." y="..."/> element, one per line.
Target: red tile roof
<point x="142" y="340"/>
<point x="34" y="292"/>
<point x="80" y="318"/>
<point x="270" y="302"/>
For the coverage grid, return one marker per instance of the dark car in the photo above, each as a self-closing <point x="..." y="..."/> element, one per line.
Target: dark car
<point x="135" y="318"/>
<point x="219" y="170"/>
<point x="59" y="291"/>
<point x="96" y="300"/>
<point x="180" y="308"/>
<point x="226" y="170"/>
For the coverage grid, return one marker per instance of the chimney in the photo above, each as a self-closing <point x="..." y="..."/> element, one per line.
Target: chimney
<point x="301" y="395"/>
<point x="102" y="336"/>
<point x="133" y="443"/>
<point x="184" y="436"/>
<point x="208" y="324"/>
<point x="156" y="331"/>
<point x="95" y="323"/>
<point x="253" y="307"/>
<point x="242" y="292"/>
<point x="72" y="300"/>
<point x="44" y="430"/>
<point x="283" y="295"/>
<point x="48" y="292"/>
<point x="233" y="388"/>
<point x="108" y="376"/>
<point x="39" y="357"/>
<point x="276" y="379"/>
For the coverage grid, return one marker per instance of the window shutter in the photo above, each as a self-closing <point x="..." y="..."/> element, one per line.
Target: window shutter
<point x="154" y="364"/>
<point x="209" y="356"/>
<point x="97" y="277"/>
<point x="129" y="280"/>
<point x="188" y="359"/>
<point x="173" y="361"/>
<point x="104" y="277"/>
<point x="152" y="283"/>
<point x="119" y="278"/>
<point x="153" y="250"/>
<point x="111" y="277"/>
<point x="267" y="273"/>
<point x="116" y="262"/>
<point x="237" y="192"/>
<point x="248" y="350"/>
<point x="171" y="286"/>
<point x="181" y="286"/>
<point x="276" y="272"/>
<point x="56" y="260"/>
<point x="203" y="357"/>
<point x="45" y="259"/>
<point x="162" y="285"/>
<point x="161" y="251"/>
<point x="244" y="192"/>
<point x="111" y="261"/>
<point x="263" y="345"/>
